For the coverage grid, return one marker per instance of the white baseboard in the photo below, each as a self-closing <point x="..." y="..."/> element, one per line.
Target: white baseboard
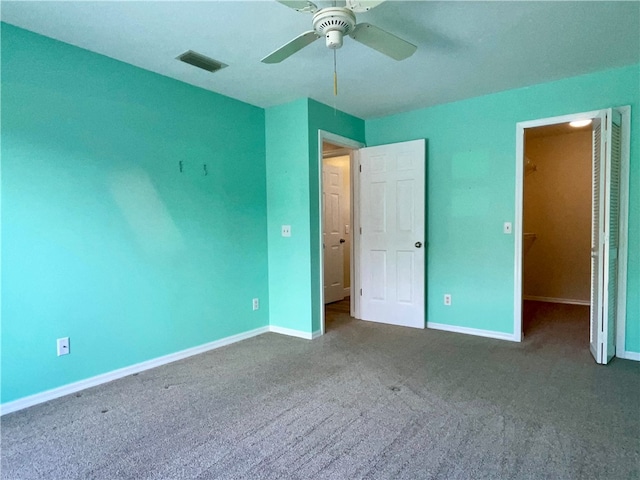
<point x="47" y="395"/>
<point x="295" y="333"/>
<point x="473" y="331"/>
<point x="629" y="356"/>
<point x="568" y="301"/>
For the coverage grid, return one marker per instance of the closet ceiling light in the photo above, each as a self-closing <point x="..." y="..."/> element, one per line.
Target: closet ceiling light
<point x="580" y="123"/>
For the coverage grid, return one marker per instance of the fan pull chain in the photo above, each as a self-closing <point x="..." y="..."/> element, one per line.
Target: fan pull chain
<point x="335" y="75"/>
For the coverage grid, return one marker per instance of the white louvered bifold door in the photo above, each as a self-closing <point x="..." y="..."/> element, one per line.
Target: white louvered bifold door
<point x="612" y="226"/>
<point x="604" y="236"/>
<point x="596" y="247"/>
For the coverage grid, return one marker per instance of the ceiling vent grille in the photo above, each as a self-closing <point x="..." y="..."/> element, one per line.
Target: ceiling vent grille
<point x="201" y="61"/>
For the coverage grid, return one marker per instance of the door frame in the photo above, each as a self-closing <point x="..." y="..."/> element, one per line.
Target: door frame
<point x="354" y="281"/>
<point x="624" y="219"/>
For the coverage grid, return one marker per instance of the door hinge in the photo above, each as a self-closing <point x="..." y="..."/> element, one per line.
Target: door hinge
<point x="360" y="292"/>
<point x="360" y="230"/>
<point x="360" y="168"/>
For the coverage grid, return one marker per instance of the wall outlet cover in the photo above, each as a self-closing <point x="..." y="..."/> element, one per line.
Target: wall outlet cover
<point x="63" y="346"/>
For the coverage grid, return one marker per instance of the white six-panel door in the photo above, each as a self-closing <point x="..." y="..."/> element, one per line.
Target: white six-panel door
<point x="332" y="230"/>
<point x="392" y="243"/>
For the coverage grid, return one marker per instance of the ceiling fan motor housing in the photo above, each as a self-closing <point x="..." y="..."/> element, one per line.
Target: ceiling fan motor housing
<point x="333" y="24"/>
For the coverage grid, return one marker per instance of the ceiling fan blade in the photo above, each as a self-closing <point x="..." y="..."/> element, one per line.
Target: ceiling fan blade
<point x="359" y="6"/>
<point x="304" y="6"/>
<point x="292" y="47"/>
<point x="382" y="41"/>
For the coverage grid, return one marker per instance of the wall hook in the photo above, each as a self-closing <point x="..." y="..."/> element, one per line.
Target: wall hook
<point x="205" y="169"/>
<point x="180" y="165"/>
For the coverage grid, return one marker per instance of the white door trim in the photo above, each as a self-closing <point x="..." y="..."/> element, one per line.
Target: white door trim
<point x="354" y="145"/>
<point x="624" y="213"/>
<point x="623" y="242"/>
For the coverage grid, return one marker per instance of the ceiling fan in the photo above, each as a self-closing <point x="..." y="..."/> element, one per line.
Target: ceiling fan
<point x="334" y="23"/>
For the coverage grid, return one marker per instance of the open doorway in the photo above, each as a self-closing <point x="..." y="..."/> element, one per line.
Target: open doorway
<point x="387" y="186"/>
<point x="550" y="218"/>
<point x="556" y="239"/>
<point x="337" y="232"/>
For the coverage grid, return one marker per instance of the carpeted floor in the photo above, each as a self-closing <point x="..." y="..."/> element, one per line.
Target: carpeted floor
<point x="366" y="401"/>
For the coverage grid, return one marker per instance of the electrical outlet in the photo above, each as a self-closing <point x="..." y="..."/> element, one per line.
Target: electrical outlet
<point x="256" y="304"/>
<point x="63" y="346"/>
<point x="286" y="230"/>
<point x="447" y="299"/>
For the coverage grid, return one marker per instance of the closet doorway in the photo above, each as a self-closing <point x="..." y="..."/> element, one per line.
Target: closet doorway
<point x="571" y="213"/>
<point x="556" y="239"/>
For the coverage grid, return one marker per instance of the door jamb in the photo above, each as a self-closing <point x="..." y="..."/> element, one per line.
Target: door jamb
<point x="354" y="281"/>
<point x="623" y="225"/>
<point x="623" y="241"/>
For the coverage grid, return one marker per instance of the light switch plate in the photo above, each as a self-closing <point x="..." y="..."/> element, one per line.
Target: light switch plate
<point x="507" y="228"/>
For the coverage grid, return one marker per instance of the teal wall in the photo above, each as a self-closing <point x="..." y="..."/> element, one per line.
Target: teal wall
<point x="293" y="199"/>
<point x="287" y="140"/>
<point x="471" y="191"/>
<point x="103" y="240"/>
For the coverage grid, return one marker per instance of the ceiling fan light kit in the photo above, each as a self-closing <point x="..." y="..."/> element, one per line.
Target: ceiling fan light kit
<point x="333" y="23"/>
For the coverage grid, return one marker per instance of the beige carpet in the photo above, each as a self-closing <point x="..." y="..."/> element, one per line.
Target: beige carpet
<point x="366" y="401"/>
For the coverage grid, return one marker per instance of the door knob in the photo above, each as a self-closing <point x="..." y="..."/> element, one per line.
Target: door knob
<point x="342" y="240"/>
<point x="418" y="244"/>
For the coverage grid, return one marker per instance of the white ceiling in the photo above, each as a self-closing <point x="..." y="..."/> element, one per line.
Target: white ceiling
<point x="465" y="49"/>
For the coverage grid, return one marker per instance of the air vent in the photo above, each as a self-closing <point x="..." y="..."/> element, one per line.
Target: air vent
<point x="201" y="61"/>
